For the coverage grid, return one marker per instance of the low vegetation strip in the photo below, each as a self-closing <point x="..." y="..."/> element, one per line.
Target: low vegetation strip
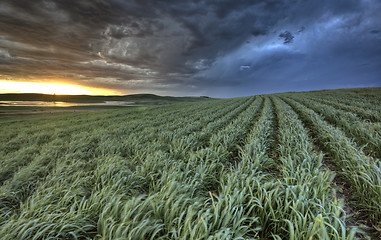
<point x="243" y="168"/>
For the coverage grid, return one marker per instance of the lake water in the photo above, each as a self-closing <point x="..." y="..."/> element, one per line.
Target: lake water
<point x="63" y="104"/>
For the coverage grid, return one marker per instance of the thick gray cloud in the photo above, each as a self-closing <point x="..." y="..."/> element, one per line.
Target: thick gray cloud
<point x="221" y="48"/>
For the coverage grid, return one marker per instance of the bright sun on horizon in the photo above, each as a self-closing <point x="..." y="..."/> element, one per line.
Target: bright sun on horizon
<point x="52" y="88"/>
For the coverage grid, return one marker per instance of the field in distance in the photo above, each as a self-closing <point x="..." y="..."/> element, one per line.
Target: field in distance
<point x="32" y="103"/>
<point x="280" y="166"/>
<point x="138" y="98"/>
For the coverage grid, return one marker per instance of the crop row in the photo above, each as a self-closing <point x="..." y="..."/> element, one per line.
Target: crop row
<point x="365" y="133"/>
<point x="51" y="191"/>
<point x="74" y="146"/>
<point x="354" y="100"/>
<point x="361" y="172"/>
<point x="245" y="168"/>
<point x="361" y="112"/>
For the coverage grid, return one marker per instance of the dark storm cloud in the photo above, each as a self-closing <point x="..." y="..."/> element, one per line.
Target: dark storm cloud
<point x="221" y="48"/>
<point x="287" y="36"/>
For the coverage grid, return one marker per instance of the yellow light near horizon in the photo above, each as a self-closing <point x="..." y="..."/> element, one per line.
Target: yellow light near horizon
<point x="52" y="88"/>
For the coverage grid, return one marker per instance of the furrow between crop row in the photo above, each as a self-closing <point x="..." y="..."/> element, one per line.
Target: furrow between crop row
<point x="44" y="166"/>
<point x="359" y="171"/>
<point x="24" y="156"/>
<point x="34" y="201"/>
<point x="78" y="121"/>
<point x="299" y="208"/>
<point x="364" y="133"/>
<point x="361" y="112"/>
<point x="354" y="100"/>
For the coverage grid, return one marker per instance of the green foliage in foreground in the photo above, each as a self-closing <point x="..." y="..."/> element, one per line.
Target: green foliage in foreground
<point x="261" y="167"/>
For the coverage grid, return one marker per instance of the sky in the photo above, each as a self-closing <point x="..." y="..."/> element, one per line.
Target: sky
<point x="217" y="48"/>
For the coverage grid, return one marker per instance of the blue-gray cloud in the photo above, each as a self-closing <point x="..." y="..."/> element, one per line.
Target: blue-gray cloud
<point x="195" y="47"/>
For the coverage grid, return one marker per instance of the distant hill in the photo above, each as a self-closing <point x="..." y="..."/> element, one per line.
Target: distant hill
<point x="140" y="98"/>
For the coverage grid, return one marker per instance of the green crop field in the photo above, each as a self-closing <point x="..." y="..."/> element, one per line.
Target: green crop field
<point x="281" y="166"/>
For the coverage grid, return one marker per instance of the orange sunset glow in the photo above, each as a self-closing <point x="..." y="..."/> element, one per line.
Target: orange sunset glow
<point x="52" y="88"/>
